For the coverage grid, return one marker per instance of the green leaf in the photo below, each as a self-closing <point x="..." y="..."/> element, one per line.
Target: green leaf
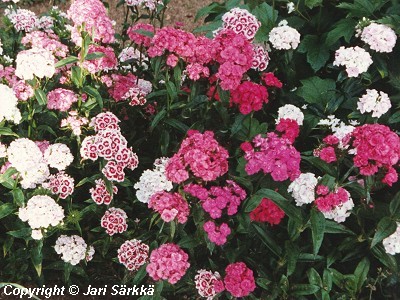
<point x="335" y="228"/>
<point x="21" y="233"/>
<point x="303" y="289"/>
<point x="313" y="3"/>
<point x="40" y="97"/>
<point x="387" y="259"/>
<point x="394" y="206"/>
<point x="268" y="240"/>
<point x="395" y="118"/>
<point x="19" y="197"/>
<point x="207" y="10"/>
<point x="315" y="90"/>
<point x="317" y="52"/>
<point x="314" y="277"/>
<point x="320" y="165"/>
<point x="362" y="8"/>
<point x="91" y="91"/>
<point x="361" y="273"/>
<point x="76" y="75"/>
<point x="266" y="15"/>
<point x="386" y="227"/>
<point x="292" y="255"/>
<point x="7" y="131"/>
<point x="317" y="220"/>
<point x="66" y="61"/>
<point x="145" y="32"/>
<point x="37" y="257"/>
<point x="6" y="209"/>
<point x="263" y="283"/>
<point x="94" y="55"/>
<point x="282" y="202"/>
<point x="252" y="203"/>
<point x="140" y="275"/>
<point x="344" y="28"/>
<point x="177" y="125"/>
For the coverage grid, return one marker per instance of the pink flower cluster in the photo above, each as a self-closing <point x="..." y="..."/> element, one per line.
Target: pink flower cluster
<point x="140" y="39"/>
<point x="128" y="88"/>
<point x="376" y="147"/>
<point x="267" y="211"/>
<point x="107" y="62"/>
<point x="100" y="194"/>
<point x="61" y="99"/>
<point x="327" y="200"/>
<point x="168" y="262"/>
<point x="22" y="90"/>
<point x="273" y="155"/>
<point x="22" y="19"/>
<point x="109" y="144"/>
<point x="114" y="221"/>
<point x="60" y="184"/>
<point x="133" y="254"/>
<point x="289" y="128"/>
<point x="235" y="57"/>
<point x="217" y="234"/>
<point x="239" y="279"/>
<point x="94" y="14"/>
<point x="271" y="80"/>
<point x="202" y="154"/>
<point x="74" y="122"/>
<point x="241" y="22"/>
<point x="170" y="206"/>
<point x="208" y="284"/>
<point x="249" y="96"/>
<point x="46" y="40"/>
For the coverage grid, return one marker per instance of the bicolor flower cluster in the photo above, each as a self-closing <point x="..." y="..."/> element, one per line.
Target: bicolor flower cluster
<point x="208" y="284"/>
<point x="133" y="254"/>
<point x="114" y="221"/>
<point x="241" y="22"/>
<point x="100" y="194"/>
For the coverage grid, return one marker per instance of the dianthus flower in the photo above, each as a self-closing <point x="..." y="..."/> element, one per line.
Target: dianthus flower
<point x="40" y="212"/>
<point x="291" y="112"/>
<point x="234" y="53"/>
<point x="271" y="80"/>
<point x="168" y="262"/>
<point x="170" y="206"/>
<point x="150" y="4"/>
<point x="133" y="254"/>
<point x="61" y="99"/>
<point x="48" y="41"/>
<point x="22" y="19"/>
<point x="284" y="37"/>
<point x="267" y="211"/>
<point x="372" y="101"/>
<point x="303" y="188"/>
<point x="114" y="221"/>
<point x="202" y="155"/>
<point x="58" y="156"/>
<point x="73" y="249"/>
<point x="208" y="284"/>
<point x="22" y="90"/>
<point x="334" y="205"/>
<point x="273" y="155"/>
<point x="94" y="14"/>
<point x="239" y="279"/>
<point x="379" y="37"/>
<point x="376" y="146"/>
<point x="100" y="194"/>
<point x="355" y="59"/>
<point x="8" y="105"/>
<point x="106" y="120"/>
<point x="140" y="39"/>
<point x="46" y="23"/>
<point x="249" y="96"/>
<point x="289" y="128"/>
<point x="153" y="181"/>
<point x="60" y="184"/>
<point x="37" y="62"/>
<point x="241" y="22"/>
<point x="215" y="200"/>
<point x="392" y="242"/>
<point x="106" y="63"/>
<point x="121" y="86"/>
<point x="74" y="122"/>
<point x="217" y="234"/>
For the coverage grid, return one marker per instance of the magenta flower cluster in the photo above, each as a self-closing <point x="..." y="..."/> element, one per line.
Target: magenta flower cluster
<point x="327" y="200"/>
<point x="239" y="279"/>
<point x="168" y="262"/>
<point x="249" y="96"/>
<point x="170" y="206"/>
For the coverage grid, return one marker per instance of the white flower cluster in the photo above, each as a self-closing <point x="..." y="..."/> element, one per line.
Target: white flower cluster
<point x="41" y="212"/>
<point x="372" y="101"/>
<point x="58" y="156"/>
<point x="292" y="112"/>
<point x="284" y="37"/>
<point x="150" y="4"/>
<point x="379" y="37"/>
<point x="35" y="62"/>
<point x="3" y="150"/>
<point x="355" y="59"/>
<point x="339" y="129"/>
<point x="392" y="242"/>
<point x="340" y="212"/>
<point x="73" y="249"/>
<point x="303" y="188"/>
<point x="25" y="156"/>
<point x="8" y="105"/>
<point x="144" y="86"/>
<point x="153" y="181"/>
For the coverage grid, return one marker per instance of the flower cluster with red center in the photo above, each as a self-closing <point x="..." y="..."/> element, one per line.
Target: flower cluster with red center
<point x="170" y="206"/>
<point x="60" y="184"/>
<point x="133" y="254"/>
<point x="168" y="262"/>
<point x="114" y="221"/>
<point x="100" y="194"/>
<point x="208" y="284"/>
<point x="241" y="22"/>
<point x="201" y="154"/>
<point x="267" y="211"/>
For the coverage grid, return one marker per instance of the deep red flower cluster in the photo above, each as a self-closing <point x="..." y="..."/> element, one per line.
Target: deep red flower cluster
<point x="239" y="279"/>
<point x="249" y="96"/>
<point x="267" y="211"/>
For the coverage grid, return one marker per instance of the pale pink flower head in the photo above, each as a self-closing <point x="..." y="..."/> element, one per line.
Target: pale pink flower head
<point x="170" y="206"/>
<point x="61" y="99"/>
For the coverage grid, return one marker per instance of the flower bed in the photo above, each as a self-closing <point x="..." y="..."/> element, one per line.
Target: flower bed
<point x="257" y="157"/>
